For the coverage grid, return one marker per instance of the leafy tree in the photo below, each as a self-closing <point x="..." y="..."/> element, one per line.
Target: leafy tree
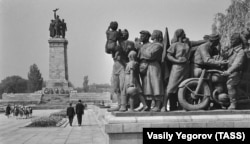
<point x="237" y="17"/>
<point x="13" y="84"/>
<point x="35" y="79"/>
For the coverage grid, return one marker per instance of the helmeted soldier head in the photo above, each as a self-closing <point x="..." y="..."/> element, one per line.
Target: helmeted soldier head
<point x="214" y="39"/>
<point x="145" y="35"/>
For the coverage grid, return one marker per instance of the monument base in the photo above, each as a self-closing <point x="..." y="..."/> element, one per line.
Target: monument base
<point x="123" y="128"/>
<point x="57" y="87"/>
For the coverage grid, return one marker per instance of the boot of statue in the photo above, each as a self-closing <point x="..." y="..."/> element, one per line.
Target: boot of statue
<point x="232" y="105"/>
<point x="164" y="105"/>
<point x="123" y="107"/>
<point x="117" y="108"/>
<point x="131" y="103"/>
<point x="232" y="102"/>
<point x="173" y="102"/>
<point x="157" y="106"/>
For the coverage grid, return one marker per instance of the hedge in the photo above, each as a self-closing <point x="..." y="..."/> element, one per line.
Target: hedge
<point x="48" y="121"/>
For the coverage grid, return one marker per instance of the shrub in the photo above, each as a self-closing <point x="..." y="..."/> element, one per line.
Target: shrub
<point x="48" y="121"/>
<point x="45" y="121"/>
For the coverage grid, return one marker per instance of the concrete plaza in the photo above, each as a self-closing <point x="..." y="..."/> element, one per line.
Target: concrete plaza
<point x="13" y="131"/>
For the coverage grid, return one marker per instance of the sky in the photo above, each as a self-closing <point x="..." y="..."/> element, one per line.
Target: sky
<point x="24" y="30"/>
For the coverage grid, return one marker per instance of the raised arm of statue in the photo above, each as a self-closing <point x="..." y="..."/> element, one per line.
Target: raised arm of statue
<point x="197" y="43"/>
<point x="55" y="12"/>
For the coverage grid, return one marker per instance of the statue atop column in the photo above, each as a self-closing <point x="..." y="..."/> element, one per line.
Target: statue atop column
<point x="57" y="26"/>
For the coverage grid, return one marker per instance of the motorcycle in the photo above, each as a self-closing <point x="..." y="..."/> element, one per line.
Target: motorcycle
<point x="199" y="93"/>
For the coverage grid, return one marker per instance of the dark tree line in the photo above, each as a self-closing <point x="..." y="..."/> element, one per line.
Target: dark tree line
<point x="13" y="84"/>
<point x="17" y="84"/>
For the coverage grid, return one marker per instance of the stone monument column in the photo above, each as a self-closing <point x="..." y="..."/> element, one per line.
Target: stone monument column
<point x="58" y="64"/>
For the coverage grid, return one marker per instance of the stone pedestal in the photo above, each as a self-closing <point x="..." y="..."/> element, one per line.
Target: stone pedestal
<point x="58" y="64"/>
<point x="127" y="128"/>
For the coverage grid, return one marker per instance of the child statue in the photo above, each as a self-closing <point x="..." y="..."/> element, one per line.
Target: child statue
<point x="112" y="37"/>
<point x="132" y="83"/>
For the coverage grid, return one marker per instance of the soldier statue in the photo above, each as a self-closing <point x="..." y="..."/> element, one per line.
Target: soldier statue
<point x="57" y="26"/>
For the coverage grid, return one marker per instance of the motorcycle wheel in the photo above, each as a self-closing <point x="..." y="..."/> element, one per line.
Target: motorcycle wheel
<point x="189" y="103"/>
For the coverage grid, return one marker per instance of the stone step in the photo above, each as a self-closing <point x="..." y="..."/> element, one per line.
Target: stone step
<point x="91" y="97"/>
<point x="22" y="96"/>
<point x="182" y="113"/>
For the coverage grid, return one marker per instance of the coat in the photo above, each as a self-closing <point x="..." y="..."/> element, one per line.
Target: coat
<point x="8" y="109"/>
<point x="150" y="56"/>
<point x="236" y="58"/>
<point x="132" y="79"/>
<point x="70" y="111"/>
<point x="52" y="29"/>
<point x="203" y="56"/>
<point x="179" y="72"/>
<point x="79" y="108"/>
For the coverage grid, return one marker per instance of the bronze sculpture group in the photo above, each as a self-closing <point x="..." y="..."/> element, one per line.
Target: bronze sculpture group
<point x="57" y="26"/>
<point x="155" y="71"/>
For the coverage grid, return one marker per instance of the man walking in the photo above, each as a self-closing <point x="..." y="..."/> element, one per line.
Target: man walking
<point x="8" y="110"/>
<point x="70" y="113"/>
<point x="79" y="112"/>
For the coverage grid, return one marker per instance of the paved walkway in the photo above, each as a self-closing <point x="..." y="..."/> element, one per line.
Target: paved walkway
<point x="12" y="131"/>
